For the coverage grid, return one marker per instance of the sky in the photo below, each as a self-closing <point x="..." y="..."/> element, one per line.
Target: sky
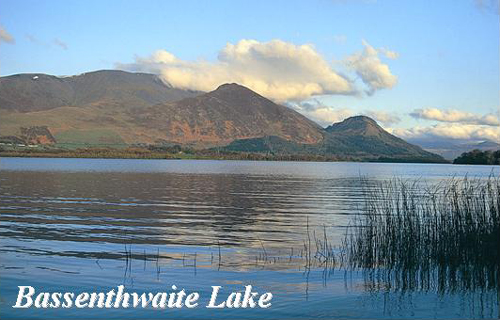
<point x="425" y="70"/>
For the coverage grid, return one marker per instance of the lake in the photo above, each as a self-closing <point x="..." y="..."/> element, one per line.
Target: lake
<point x="93" y="224"/>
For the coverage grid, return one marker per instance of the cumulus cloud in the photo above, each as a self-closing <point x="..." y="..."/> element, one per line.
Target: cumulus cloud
<point x="393" y="55"/>
<point x="450" y="132"/>
<point x="382" y="117"/>
<point x="326" y="115"/>
<point x="455" y="116"/>
<point x="6" y="37"/>
<point x="322" y="114"/>
<point x="276" y="69"/>
<point x="372" y="71"/>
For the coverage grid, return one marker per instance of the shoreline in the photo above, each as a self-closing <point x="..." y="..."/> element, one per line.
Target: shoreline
<point x="227" y="157"/>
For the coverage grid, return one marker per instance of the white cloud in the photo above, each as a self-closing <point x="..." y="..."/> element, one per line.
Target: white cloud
<point x="322" y="114"/>
<point x="455" y="116"/>
<point x="372" y="71"/>
<point x="450" y="131"/>
<point x="393" y="55"/>
<point x="383" y="117"/>
<point x="326" y="115"/>
<point x="276" y="69"/>
<point x="6" y="37"/>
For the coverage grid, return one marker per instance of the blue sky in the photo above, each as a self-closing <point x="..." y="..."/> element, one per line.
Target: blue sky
<point x="447" y="65"/>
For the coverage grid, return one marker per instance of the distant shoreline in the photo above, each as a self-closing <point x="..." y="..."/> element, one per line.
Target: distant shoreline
<point x="143" y="154"/>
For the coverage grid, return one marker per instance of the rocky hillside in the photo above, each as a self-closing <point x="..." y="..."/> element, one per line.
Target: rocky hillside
<point x="117" y="108"/>
<point x="228" y="113"/>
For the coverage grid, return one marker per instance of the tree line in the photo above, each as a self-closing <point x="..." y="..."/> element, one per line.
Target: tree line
<point x="479" y="157"/>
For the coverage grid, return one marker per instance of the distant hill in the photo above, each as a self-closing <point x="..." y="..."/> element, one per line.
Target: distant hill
<point x="117" y="108"/>
<point x="451" y="150"/>
<point x="366" y="135"/>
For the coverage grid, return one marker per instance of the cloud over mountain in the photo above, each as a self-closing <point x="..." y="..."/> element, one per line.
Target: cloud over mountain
<point x="277" y="69"/>
<point x="385" y="118"/>
<point x="323" y="114"/>
<point x="453" y="125"/>
<point x="455" y="116"/>
<point x="450" y="132"/>
<point x="326" y="115"/>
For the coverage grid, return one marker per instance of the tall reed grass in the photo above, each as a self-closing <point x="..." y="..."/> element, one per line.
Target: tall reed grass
<point x="414" y="236"/>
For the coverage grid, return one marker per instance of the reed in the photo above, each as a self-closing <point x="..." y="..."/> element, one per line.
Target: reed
<point x="444" y="237"/>
<point x="408" y="237"/>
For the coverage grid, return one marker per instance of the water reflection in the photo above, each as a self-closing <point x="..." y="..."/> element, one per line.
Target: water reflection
<point x="87" y="223"/>
<point x="170" y="208"/>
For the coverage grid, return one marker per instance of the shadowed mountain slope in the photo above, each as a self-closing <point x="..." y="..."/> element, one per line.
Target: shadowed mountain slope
<point x="357" y="137"/>
<point x="367" y="136"/>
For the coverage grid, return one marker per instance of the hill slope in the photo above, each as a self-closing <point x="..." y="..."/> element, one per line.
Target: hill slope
<point x="117" y="107"/>
<point x="38" y="92"/>
<point x="357" y="137"/>
<point x="230" y="112"/>
<point x="365" y="135"/>
<point x="120" y="108"/>
<point x="450" y="150"/>
<point x="92" y="108"/>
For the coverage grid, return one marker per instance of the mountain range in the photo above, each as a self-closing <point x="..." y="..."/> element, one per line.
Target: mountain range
<point x="118" y="108"/>
<point x="452" y="149"/>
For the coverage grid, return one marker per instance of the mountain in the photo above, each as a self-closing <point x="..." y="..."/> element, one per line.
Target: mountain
<point x="228" y="113"/>
<point x="451" y="150"/>
<point x="38" y="92"/>
<point x="364" y="134"/>
<point x="117" y="108"/>
<point x="93" y="108"/>
<point x="356" y="137"/>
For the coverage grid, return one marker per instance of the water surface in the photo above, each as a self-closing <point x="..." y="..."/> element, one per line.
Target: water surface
<point x="72" y="224"/>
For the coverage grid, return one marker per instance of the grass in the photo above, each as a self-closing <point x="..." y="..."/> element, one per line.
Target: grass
<point x="444" y="237"/>
<point x="89" y="137"/>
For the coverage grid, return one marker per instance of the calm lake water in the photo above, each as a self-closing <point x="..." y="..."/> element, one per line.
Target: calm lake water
<point x="66" y="225"/>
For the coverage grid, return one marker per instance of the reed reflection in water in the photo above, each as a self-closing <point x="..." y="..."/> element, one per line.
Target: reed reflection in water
<point x="442" y="238"/>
